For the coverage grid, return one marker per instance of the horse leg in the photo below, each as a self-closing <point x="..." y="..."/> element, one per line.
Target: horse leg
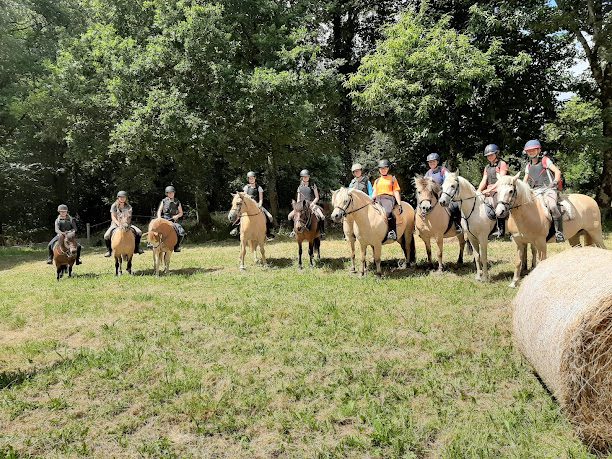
<point x="129" y="265"/>
<point x="167" y="261"/>
<point x="117" y="266"/>
<point x="69" y="271"/>
<point x="299" y="254"/>
<point x="461" y="239"/>
<point x="377" y="249"/>
<point x="476" y="253"/>
<point x="364" y="248"/>
<point x="517" y="264"/>
<point x="440" y="243"/>
<point x="594" y="237"/>
<point x="242" y="253"/>
<point x="541" y="248"/>
<point x="351" y="240"/>
<point x="534" y="256"/>
<point x="311" y="252"/>
<point x="524" y="261"/>
<point x="59" y="272"/>
<point x="318" y="247"/>
<point x="484" y="259"/>
<point x="156" y="261"/>
<point x="427" y="242"/>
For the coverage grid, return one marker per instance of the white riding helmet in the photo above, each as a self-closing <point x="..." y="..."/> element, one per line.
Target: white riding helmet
<point x="356" y="167"/>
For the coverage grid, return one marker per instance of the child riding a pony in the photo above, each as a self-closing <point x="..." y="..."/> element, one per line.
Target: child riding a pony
<point x="256" y="193"/>
<point x="119" y="207"/>
<point x="171" y="209"/>
<point x="63" y="224"/>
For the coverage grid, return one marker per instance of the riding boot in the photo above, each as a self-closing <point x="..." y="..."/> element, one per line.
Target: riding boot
<point x="558" y="222"/>
<point x="269" y="235"/>
<point x="392" y="234"/>
<point x="78" y="259"/>
<point x="501" y="228"/>
<point x="50" y="257"/>
<point x="137" y="248"/>
<point x="109" y="249"/>
<point x="177" y="247"/>
<point x="322" y="229"/>
<point x="457" y="220"/>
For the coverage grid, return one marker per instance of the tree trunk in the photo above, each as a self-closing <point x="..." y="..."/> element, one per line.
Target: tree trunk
<point x="604" y="194"/>
<point x="202" y="212"/>
<point x="272" y="193"/>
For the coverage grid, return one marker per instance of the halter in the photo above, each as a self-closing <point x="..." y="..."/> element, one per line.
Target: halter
<point x="160" y="241"/>
<point x="349" y="203"/>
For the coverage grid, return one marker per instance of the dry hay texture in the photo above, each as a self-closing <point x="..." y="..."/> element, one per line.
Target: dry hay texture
<point x="563" y="325"/>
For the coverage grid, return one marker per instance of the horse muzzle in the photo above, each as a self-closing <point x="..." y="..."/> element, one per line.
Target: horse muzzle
<point x="425" y="209"/>
<point x="231" y="216"/>
<point x="444" y="200"/>
<point x="337" y="215"/>
<point x="501" y="211"/>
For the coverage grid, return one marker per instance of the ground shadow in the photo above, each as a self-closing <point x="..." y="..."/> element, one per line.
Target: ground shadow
<point x="180" y="271"/>
<point x="282" y="262"/>
<point x="11" y="257"/>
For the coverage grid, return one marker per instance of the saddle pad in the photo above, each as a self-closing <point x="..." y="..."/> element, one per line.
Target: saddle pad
<point x="567" y="208"/>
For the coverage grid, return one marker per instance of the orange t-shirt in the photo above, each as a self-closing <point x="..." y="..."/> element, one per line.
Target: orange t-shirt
<point x="386" y="185"/>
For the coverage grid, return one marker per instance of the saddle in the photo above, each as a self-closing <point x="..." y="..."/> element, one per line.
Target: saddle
<point x="567" y="209"/>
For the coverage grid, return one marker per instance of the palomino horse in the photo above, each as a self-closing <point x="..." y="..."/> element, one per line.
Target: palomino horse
<point x="162" y="237"/>
<point x="367" y="223"/>
<point x="252" y="225"/>
<point x="529" y="220"/>
<point x="306" y="227"/>
<point x="433" y="221"/>
<point x="64" y="253"/>
<point x="122" y="243"/>
<point x="474" y="220"/>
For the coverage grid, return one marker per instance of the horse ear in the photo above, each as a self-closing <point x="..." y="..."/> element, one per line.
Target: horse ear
<point x="293" y="203"/>
<point x="515" y="178"/>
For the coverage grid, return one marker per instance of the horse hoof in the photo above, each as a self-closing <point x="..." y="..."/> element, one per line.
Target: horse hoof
<point x="352" y="271"/>
<point x="512" y="285"/>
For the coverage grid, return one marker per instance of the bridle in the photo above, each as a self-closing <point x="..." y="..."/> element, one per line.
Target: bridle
<point x="61" y="246"/>
<point x="344" y="210"/>
<point x="238" y="209"/>
<point x="297" y="217"/>
<point x="510" y="204"/>
<point x="431" y="208"/>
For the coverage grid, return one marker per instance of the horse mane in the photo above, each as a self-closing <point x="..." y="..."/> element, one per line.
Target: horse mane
<point x="426" y="184"/>
<point x="464" y="182"/>
<point x="359" y="193"/>
<point x="301" y="206"/>
<point x="524" y="193"/>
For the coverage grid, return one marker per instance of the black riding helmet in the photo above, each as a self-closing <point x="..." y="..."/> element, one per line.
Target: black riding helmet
<point x="170" y="189"/>
<point x="62" y="207"/>
<point x="384" y="163"/>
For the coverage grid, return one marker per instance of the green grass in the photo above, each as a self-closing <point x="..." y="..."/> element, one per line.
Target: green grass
<point x="272" y="362"/>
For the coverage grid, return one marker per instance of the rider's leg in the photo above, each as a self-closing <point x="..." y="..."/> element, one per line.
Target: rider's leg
<point x="551" y="198"/>
<point x="137" y="236"/>
<point x="181" y="235"/>
<point x="78" y="258"/>
<point x="234" y="231"/>
<point x="455" y="212"/>
<point x="321" y="224"/>
<point x="269" y="234"/>
<point x="50" y="249"/>
<point x="107" y="240"/>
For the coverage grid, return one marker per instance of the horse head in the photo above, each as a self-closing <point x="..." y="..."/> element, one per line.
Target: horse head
<point x="508" y="189"/>
<point x="450" y="189"/>
<point x="428" y="192"/>
<point x="236" y="209"/>
<point x="68" y="243"/>
<point x="125" y="220"/>
<point x="341" y="201"/>
<point x="301" y="215"/>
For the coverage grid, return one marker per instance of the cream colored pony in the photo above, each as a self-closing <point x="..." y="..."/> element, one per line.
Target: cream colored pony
<point x="367" y="222"/>
<point x="162" y="237"/>
<point x="122" y="243"/>
<point x="529" y="220"/>
<point x="433" y="221"/>
<point x="252" y="225"/>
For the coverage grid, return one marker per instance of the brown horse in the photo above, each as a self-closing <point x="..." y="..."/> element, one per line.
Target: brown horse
<point x="252" y="225"/>
<point x="162" y="237"/>
<point x="529" y="221"/>
<point x="306" y="228"/>
<point x="64" y="253"/>
<point x="434" y="221"/>
<point x="122" y="243"/>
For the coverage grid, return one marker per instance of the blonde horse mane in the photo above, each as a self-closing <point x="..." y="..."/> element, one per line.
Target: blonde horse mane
<point x="426" y="184"/>
<point x="524" y="193"/>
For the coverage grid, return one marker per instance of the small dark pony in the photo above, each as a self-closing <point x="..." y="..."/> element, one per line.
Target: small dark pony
<point x="306" y="227"/>
<point x="64" y="253"/>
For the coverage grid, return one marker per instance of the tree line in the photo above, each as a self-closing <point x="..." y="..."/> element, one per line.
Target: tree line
<point x="102" y="95"/>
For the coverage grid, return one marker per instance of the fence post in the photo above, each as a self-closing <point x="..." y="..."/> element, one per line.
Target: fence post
<point x="88" y="226"/>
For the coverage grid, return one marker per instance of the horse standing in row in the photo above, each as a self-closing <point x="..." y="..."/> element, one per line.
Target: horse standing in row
<point x="529" y="220"/>
<point x="252" y="225"/>
<point x="65" y="253"/>
<point x="475" y="220"/>
<point x="433" y="221"/>
<point x="306" y="228"/>
<point x="123" y="243"/>
<point x="162" y="237"/>
<point x="366" y="222"/>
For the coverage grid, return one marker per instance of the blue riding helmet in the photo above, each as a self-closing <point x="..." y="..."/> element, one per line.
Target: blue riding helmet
<point x="433" y="157"/>
<point x="491" y="149"/>
<point x="532" y="144"/>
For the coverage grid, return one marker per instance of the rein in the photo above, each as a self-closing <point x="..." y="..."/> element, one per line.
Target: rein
<point x="350" y="202"/>
<point x="245" y="214"/>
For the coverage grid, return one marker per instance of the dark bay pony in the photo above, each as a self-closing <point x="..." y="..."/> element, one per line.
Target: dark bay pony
<point x="306" y="228"/>
<point x="64" y="253"/>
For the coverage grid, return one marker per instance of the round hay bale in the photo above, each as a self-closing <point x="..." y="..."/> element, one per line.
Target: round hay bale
<point x="563" y="325"/>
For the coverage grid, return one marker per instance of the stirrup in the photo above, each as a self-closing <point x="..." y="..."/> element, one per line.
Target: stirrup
<point x="292" y="234"/>
<point x="559" y="237"/>
<point x="392" y="235"/>
<point x="49" y="261"/>
<point x="234" y="232"/>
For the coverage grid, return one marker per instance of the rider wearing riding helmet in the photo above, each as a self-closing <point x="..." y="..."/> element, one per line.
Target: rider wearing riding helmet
<point x="119" y="207"/>
<point x="488" y="184"/>
<point x="308" y="191"/>
<point x="360" y="182"/>
<point x="63" y="224"/>
<point x="539" y="175"/>
<point x="256" y="193"/>
<point x="438" y="173"/>
<point x="171" y="209"/>
<point x="386" y="193"/>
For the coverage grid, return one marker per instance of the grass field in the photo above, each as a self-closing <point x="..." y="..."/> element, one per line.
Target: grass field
<point x="272" y="362"/>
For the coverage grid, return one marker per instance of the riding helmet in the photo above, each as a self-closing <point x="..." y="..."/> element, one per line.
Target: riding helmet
<point x="251" y="174"/>
<point x="490" y="149"/>
<point x="304" y="173"/>
<point x="356" y="167"/>
<point x="122" y="194"/>
<point x="433" y="157"/>
<point x="532" y="144"/>
<point x="170" y="189"/>
<point x="62" y="207"/>
<point x="384" y="163"/>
